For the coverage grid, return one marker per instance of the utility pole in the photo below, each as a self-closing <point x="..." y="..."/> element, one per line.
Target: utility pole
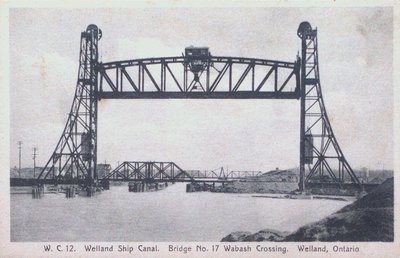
<point x="34" y="161"/>
<point x="19" y="160"/>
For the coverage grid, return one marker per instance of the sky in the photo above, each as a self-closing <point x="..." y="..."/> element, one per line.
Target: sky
<point x="356" y="69"/>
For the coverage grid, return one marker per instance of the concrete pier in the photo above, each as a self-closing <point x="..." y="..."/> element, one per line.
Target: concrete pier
<point x="146" y="187"/>
<point x="90" y="191"/>
<point x="70" y="192"/>
<point x="200" y="187"/>
<point x="37" y="192"/>
<point x="105" y="184"/>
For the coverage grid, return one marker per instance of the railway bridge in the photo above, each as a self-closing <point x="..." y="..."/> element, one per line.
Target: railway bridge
<point x="198" y="75"/>
<point x="152" y="171"/>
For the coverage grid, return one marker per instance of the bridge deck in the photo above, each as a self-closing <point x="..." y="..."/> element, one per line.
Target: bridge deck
<point x="197" y="95"/>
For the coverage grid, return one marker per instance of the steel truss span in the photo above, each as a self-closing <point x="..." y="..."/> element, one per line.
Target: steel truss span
<point x="196" y="74"/>
<point x="148" y="171"/>
<point x="151" y="171"/>
<point x="222" y="77"/>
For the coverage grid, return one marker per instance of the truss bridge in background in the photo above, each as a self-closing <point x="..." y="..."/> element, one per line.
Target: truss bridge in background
<point x="156" y="171"/>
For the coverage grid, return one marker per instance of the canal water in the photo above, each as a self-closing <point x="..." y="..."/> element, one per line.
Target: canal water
<point x="167" y="215"/>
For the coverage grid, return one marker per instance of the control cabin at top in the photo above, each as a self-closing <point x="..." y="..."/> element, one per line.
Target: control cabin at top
<point x="197" y="57"/>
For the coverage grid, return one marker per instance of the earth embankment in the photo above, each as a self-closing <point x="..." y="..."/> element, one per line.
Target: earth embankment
<point x="367" y="219"/>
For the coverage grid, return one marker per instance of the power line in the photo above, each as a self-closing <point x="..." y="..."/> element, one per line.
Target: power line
<point x="19" y="159"/>
<point x="34" y="161"/>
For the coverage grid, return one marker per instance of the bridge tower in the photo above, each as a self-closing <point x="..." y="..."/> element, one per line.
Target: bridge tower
<point x="319" y="149"/>
<point x="75" y="155"/>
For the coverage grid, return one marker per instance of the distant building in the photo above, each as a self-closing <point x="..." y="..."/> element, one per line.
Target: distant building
<point x="103" y="169"/>
<point x="25" y="172"/>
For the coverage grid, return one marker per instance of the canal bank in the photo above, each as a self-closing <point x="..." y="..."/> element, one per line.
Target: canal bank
<point x="370" y="218"/>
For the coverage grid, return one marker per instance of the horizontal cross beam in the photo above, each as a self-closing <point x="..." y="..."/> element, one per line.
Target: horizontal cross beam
<point x="198" y="95"/>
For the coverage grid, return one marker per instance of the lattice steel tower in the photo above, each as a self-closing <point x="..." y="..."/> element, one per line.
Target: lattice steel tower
<point x="319" y="149"/>
<point x="75" y="155"/>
